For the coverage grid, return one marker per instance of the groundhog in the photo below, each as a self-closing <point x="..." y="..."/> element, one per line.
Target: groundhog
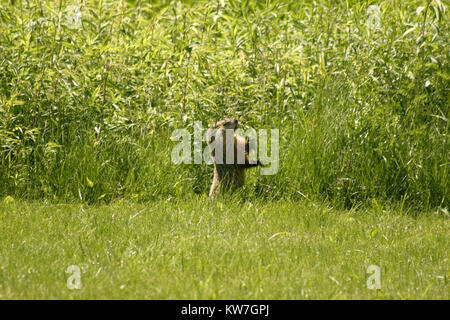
<point x="228" y="176"/>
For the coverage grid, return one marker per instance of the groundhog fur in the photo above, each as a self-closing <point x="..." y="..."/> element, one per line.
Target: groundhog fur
<point x="228" y="177"/>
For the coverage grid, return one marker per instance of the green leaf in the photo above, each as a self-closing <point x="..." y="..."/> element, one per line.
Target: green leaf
<point x="89" y="182"/>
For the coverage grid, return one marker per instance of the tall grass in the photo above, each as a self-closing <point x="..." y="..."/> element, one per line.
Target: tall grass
<point x="86" y="110"/>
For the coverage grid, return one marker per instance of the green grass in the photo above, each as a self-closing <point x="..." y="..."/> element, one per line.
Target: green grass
<point x="87" y="112"/>
<point x="227" y="250"/>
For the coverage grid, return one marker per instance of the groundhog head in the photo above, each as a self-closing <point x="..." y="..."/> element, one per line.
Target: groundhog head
<point x="228" y="123"/>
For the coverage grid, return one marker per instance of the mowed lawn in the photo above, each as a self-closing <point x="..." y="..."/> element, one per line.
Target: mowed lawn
<point x="193" y="249"/>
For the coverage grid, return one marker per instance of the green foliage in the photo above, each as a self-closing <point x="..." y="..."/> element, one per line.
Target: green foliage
<point x="90" y="92"/>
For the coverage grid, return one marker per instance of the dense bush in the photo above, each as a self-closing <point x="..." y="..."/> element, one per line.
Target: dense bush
<point x="90" y="92"/>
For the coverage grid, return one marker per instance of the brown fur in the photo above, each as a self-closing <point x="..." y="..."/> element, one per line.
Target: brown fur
<point x="228" y="177"/>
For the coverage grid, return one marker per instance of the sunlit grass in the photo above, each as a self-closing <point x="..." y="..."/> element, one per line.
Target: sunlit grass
<point x="87" y="107"/>
<point x="197" y="250"/>
<point x="90" y="92"/>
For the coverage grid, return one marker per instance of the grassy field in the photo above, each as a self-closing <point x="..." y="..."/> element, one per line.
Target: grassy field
<point x="198" y="250"/>
<point x="91" y="92"/>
